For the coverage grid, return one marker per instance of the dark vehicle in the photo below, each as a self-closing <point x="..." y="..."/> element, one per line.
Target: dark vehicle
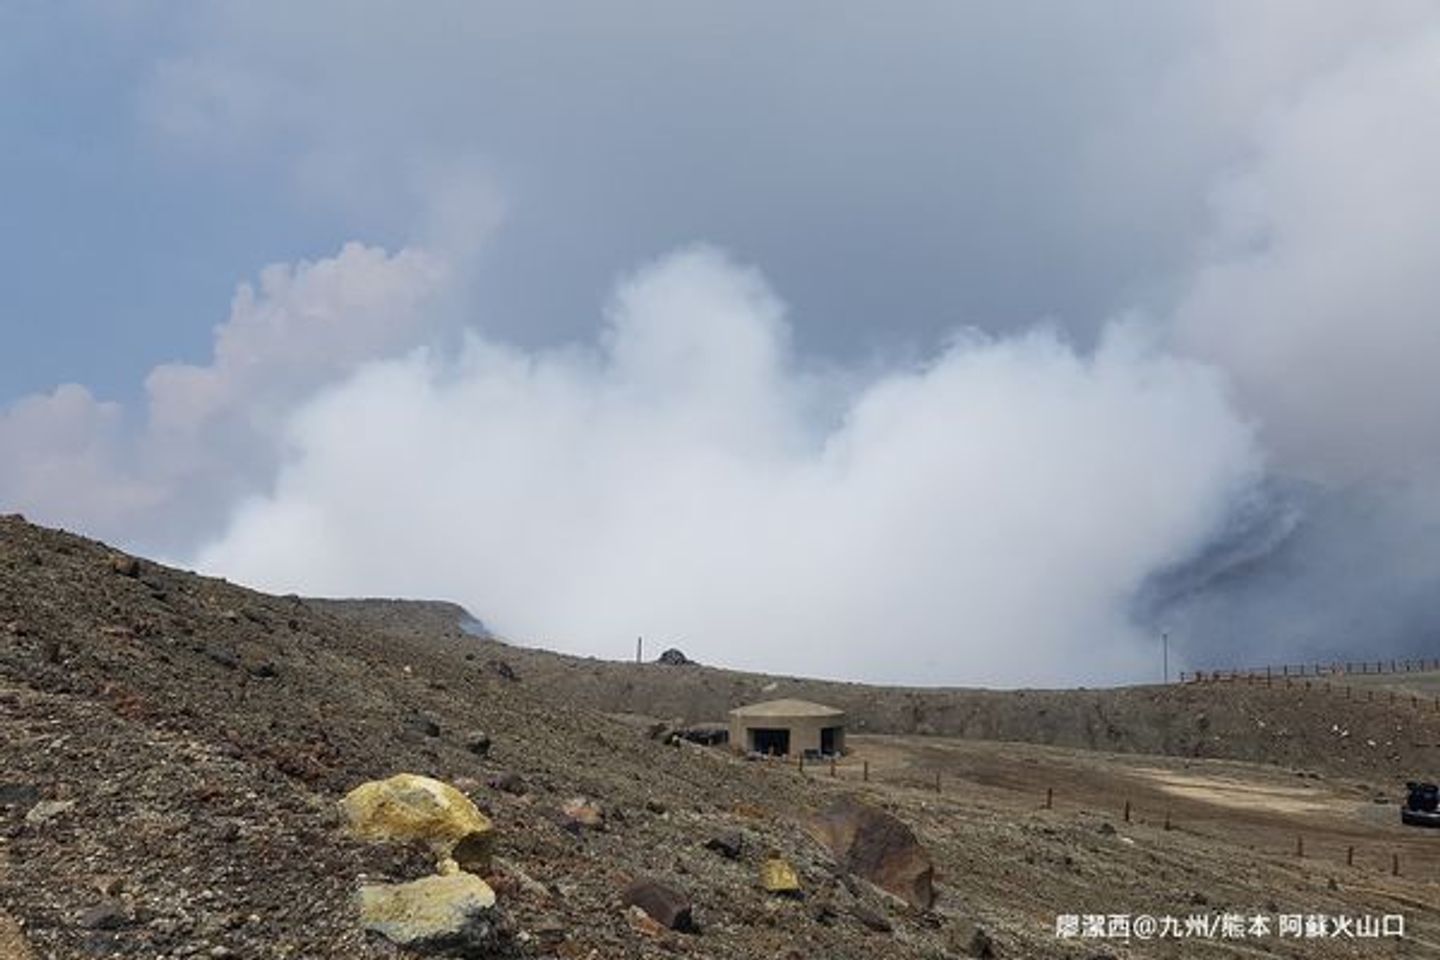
<point x="1420" y="807"/>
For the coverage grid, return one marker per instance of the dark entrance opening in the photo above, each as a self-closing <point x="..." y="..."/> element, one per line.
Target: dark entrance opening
<point x="829" y="740"/>
<point x="766" y="740"/>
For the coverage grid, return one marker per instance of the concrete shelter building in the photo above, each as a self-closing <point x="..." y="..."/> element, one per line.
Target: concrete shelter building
<point x="788" y="727"/>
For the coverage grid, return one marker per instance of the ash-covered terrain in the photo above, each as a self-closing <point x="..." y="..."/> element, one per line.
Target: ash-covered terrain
<point x="174" y="750"/>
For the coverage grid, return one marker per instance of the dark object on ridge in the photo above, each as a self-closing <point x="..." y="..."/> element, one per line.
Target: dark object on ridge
<point x="674" y="658"/>
<point x="1422" y="805"/>
<point x="125" y="565"/>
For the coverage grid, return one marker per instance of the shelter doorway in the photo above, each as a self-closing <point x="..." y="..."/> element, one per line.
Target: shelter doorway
<point x="829" y="741"/>
<point x="769" y="740"/>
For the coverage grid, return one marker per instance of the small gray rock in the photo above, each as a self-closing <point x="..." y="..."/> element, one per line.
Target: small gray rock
<point x="19" y="796"/>
<point x="47" y="810"/>
<point x="728" y="844"/>
<point x="104" y="916"/>
<point x="664" y="904"/>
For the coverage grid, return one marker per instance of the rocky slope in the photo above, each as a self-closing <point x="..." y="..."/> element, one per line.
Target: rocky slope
<point x="1302" y="723"/>
<point x="173" y="749"/>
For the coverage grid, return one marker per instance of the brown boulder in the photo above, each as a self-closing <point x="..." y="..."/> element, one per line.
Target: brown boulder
<point x="871" y="843"/>
<point x="663" y="904"/>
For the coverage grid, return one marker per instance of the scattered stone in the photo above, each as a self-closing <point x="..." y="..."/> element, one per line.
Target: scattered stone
<point x="523" y="881"/>
<point x="453" y="915"/>
<point x="224" y="658"/>
<point x="47" y="810"/>
<point x="260" y="667"/>
<point x="1106" y="828"/>
<point x="125" y="565"/>
<point x="704" y="734"/>
<point x="408" y="807"/>
<point x="823" y="912"/>
<point x="871" y="919"/>
<point x="656" y="807"/>
<point x="873" y="844"/>
<point x="673" y="658"/>
<point x="478" y="743"/>
<point x="982" y="945"/>
<point x="501" y="669"/>
<point x="507" y="782"/>
<point x="664" y="904"/>
<point x="104" y="916"/>
<point x="550" y="931"/>
<point x="424" y="724"/>
<point x="969" y="938"/>
<point x="108" y="884"/>
<point x="582" y="813"/>
<point x="642" y="923"/>
<point x="728" y="844"/>
<point x="19" y="796"/>
<point x="777" y="876"/>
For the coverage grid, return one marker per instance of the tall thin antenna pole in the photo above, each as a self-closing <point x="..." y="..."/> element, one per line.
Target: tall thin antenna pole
<point x="639" y="647"/>
<point x="1165" y="645"/>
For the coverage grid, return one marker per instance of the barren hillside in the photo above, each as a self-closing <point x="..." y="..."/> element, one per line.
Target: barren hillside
<point x="172" y="749"/>
<point x="1301" y="723"/>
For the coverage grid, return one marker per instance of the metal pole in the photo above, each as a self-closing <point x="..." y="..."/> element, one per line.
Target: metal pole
<point x="1165" y="644"/>
<point x="639" y="648"/>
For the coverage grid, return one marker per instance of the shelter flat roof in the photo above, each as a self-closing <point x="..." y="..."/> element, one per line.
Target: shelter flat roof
<point x="786" y="708"/>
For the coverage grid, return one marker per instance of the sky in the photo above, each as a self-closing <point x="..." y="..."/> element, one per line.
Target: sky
<point x="969" y="343"/>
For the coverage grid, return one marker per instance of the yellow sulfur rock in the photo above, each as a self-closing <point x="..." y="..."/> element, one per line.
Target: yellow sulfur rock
<point x="453" y="912"/>
<point x="408" y="807"/>
<point x="777" y="876"/>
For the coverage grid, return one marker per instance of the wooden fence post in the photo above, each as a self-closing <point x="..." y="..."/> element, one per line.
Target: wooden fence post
<point x="1127" y="811"/>
<point x="1349" y="856"/>
<point x="865" y="771"/>
<point x="1299" y="846"/>
<point x="1049" y="798"/>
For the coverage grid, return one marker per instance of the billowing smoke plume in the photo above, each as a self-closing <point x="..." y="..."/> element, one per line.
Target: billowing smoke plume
<point x="211" y="431"/>
<point x="983" y="517"/>
<point x="1319" y="298"/>
<point x="1250" y="465"/>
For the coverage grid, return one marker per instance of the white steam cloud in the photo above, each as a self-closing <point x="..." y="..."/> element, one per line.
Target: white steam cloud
<point x="985" y="517"/>
<point x="211" y="430"/>
<point x="1012" y="510"/>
